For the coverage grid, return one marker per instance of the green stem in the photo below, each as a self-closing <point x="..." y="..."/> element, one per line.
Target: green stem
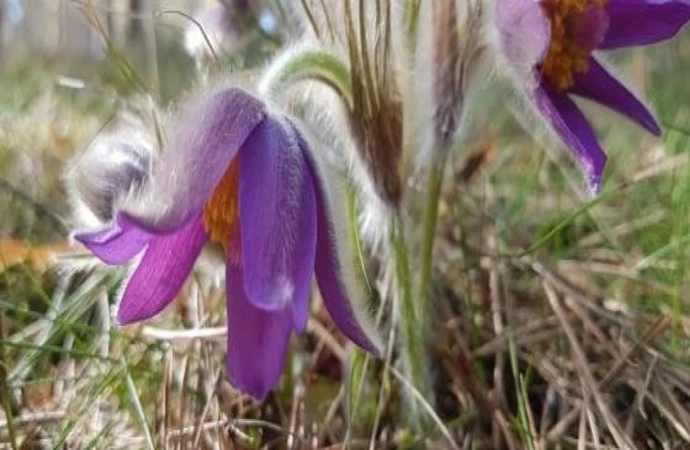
<point x="433" y="193"/>
<point x="309" y="64"/>
<point x="411" y="324"/>
<point x="414" y="310"/>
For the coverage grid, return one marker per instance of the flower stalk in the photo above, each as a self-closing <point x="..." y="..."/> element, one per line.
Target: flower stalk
<point x="429" y="220"/>
<point x="412" y="324"/>
<point x="308" y="63"/>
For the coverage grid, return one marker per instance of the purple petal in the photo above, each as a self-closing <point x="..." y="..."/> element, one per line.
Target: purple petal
<point x="162" y="271"/>
<point x="524" y="35"/>
<point x="278" y="220"/>
<point x="643" y="22"/>
<point x="198" y="156"/>
<point x="598" y="85"/>
<point x="591" y="27"/>
<point x="116" y="244"/>
<point x="329" y="270"/>
<point x="258" y="340"/>
<point x="569" y="122"/>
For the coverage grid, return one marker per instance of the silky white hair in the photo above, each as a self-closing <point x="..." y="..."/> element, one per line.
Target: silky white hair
<point x="115" y="164"/>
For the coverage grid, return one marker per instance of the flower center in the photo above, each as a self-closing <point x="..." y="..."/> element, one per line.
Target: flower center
<point x="221" y="211"/>
<point x="577" y="28"/>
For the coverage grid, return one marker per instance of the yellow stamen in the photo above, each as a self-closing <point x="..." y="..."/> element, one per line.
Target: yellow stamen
<point x="221" y="211"/>
<point x="566" y="57"/>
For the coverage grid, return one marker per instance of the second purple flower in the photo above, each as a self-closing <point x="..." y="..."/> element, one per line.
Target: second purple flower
<point x="549" y="47"/>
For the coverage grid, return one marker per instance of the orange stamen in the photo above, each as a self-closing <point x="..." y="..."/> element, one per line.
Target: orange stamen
<point x="221" y="211"/>
<point x="566" y="57"/>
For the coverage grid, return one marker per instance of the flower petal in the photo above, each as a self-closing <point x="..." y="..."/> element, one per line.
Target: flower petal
<point x="258" y="340"/>
<point x="337" y="282"/>
<point x="161" y="272"/>
<point x="591" y="27"/>
<point x="116" y="244"/>
<point x="278" y="220"/>
<point x="196" y="159"/>
<point x="644" y="22"/>
<point x="524" y="33"/>
<point x="598" y="85"/>
<point x="571" y="125"/>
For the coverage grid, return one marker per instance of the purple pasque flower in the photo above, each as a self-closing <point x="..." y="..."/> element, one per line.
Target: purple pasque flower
<point x="242" y="176"/>
<point x="548" y="45"/>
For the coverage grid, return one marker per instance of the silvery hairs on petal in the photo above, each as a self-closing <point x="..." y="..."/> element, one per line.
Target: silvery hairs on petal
<point x="333" y="188"/>
<point x="318" y="105"/>
<point x="517" y="34"/>
<point x="117" y="163"/>
<point x="536" y="125"/>
<point x="200" y="121"/>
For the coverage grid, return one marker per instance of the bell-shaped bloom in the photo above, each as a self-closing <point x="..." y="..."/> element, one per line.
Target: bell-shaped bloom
<point x="243" y="177"/>
<point x="549" y="44"/>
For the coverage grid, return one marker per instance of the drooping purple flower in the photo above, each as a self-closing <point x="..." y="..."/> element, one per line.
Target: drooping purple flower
<point x="243" y="177"/>
<point x="548" y="45"/>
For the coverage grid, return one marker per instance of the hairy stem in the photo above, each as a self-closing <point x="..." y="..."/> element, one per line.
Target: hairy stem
<point x="309" y="64"/>
<point x="411" y="325"/>
<point x="414" y="310"/>
<point x="430" y="218"/>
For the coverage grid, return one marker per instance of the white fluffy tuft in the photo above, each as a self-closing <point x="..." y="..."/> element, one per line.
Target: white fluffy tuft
<point x="115" y="165"/>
